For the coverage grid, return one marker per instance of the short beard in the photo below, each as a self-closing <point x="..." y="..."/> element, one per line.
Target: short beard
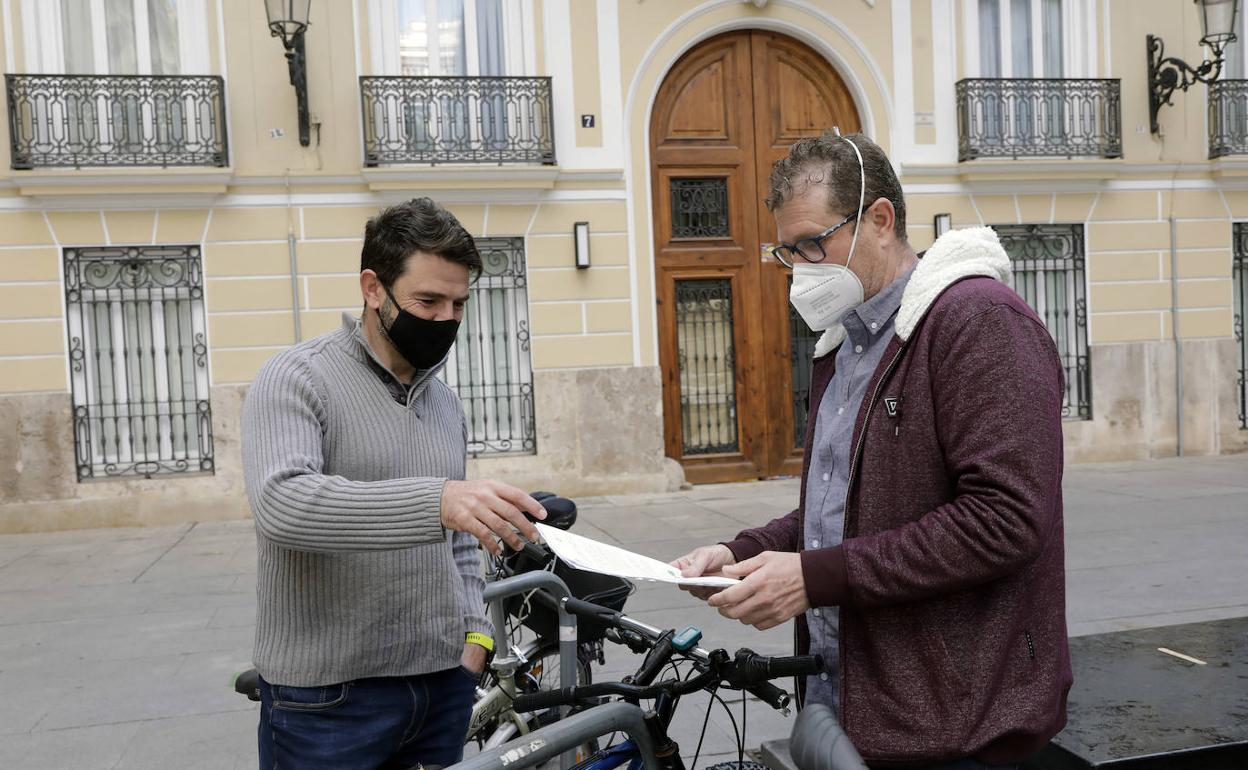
<point x="385" y="320"/>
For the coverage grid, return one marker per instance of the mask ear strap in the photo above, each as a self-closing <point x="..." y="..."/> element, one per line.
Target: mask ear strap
<point x="862" y="193"/>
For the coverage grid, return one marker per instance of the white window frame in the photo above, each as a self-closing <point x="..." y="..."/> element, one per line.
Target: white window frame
<point x="45" y="51"/>
<point x="1079" y="40"/>
<point x="518" y="34"/>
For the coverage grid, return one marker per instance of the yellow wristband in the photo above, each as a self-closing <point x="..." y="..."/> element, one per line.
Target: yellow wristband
<point x="481" y="639"/>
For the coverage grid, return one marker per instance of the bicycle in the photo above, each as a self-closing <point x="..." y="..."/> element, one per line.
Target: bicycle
<point x="648" y="743"/>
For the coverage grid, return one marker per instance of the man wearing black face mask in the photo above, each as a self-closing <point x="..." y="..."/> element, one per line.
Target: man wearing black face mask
<point x="370" y="630"/>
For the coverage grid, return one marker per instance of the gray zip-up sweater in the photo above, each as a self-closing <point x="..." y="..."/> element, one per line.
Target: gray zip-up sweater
<point x="357" y="577"/>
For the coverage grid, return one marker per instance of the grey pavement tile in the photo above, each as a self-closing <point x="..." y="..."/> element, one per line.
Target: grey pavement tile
<point x="243" y="615"/>
<point x="1227" y="539"/>
<point x="1154" y="620"/>
<point x="1154" y="588"/>
<point x="1137" y="513"/>
<point x="112" y="692"/>
<point x="87" y="748"/>
<point x="49" y="643"/>
<point x="222" y="741"/>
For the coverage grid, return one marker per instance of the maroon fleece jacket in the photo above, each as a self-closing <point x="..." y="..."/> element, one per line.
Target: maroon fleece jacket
<point x="950" y="579"/>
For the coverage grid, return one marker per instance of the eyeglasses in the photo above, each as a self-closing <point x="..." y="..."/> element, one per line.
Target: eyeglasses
<point x="809" y="249"/>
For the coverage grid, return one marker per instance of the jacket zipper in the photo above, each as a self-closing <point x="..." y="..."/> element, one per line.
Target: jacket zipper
<point x="849" y="485"/>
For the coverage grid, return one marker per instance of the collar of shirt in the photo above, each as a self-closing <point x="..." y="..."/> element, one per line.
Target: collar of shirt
<point x="871" y="317"/>
<point x="399" y="391"/>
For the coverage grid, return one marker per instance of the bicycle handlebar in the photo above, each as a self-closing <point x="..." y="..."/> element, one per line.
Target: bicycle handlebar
<point x="748" y="671"/>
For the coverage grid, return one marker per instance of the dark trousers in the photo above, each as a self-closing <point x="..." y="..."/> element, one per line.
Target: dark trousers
<point x="389" y="723"/>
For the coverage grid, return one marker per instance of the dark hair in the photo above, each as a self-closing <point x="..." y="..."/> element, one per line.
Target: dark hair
<point x="416" y="225"/>
<point x="829" y="160"/>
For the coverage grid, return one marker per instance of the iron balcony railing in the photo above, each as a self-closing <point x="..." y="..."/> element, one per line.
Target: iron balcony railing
<point x="1038" y="118"/>
<point x="409" y="120"/>
<point x="1228" y="118"/>
<point x="116" y="120"/>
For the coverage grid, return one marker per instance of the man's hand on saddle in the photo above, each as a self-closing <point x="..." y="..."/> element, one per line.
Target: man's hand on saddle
<point x="490" y="511"/>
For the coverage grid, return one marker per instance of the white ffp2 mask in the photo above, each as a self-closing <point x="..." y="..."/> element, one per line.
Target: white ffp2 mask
<point x="823" y="294"/>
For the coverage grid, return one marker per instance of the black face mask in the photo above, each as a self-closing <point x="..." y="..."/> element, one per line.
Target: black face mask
<point x="422" y="342"/>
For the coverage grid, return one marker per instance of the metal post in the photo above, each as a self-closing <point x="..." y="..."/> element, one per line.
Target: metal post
<point x="498" y="590"/>
<point x="294" y="281"/>
<point x="1174" y="329"/>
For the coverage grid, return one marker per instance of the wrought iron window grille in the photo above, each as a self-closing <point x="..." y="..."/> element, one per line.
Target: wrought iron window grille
<point x="699" y="207"/>
<point x="1239" y="275"/>
<point x="116" y="120"/>
<point x="490" y="366"/>
<point x="707" y="365"/>
<point x="1228" y="118"/>
<point x="138" y="361"/>
<point x="1049" y="273"/>
<point x="1038" y="118"/>
<point x="432" y="120"/>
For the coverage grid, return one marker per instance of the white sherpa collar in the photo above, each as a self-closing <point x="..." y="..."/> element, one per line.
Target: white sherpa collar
<point x="955" y="255"/>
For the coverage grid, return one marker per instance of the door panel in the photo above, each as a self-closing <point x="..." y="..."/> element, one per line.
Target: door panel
<point x="725" y="113"/>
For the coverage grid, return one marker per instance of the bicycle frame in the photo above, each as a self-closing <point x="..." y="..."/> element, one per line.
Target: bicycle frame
<point x="555" y="739"/>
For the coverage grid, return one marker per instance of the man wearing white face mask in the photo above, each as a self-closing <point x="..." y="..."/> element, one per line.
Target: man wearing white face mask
<point x="925" y="558"/>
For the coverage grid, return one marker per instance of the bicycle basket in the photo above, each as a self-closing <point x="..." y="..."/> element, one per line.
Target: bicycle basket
<point x="607" y="590"/>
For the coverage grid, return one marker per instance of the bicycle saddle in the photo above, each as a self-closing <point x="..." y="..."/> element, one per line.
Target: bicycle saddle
<point x="560" y="511"/>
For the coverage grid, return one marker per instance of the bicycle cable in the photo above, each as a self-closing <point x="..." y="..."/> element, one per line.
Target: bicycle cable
<point x="705" y="721"/>
<point x="736" y="733"/>
<point x="741" y="745"/>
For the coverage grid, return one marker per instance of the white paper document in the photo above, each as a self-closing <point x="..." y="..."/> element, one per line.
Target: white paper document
<point x="593" y="556"/>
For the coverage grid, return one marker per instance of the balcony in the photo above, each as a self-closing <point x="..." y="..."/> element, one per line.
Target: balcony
<point x="440" y="120"/>
<point x="1038" y="118"/>
<point x="72" y="121"/>
<point x="1228" y="118"/>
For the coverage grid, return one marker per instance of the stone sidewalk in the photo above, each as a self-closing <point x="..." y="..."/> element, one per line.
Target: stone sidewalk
<point x="117" y="646"/>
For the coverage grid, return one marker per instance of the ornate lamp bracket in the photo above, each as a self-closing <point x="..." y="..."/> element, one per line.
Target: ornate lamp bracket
<point x="1167" y="74"/>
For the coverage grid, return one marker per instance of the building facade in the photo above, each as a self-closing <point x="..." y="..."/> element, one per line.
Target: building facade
<point x="164" y="231"/>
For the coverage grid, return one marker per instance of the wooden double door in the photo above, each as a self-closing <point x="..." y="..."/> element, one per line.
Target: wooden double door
<point x="735" y="357"/>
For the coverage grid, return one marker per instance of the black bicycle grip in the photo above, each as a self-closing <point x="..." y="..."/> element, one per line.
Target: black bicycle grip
<point x="754" y="668"/>
<point x="794" y="665"/>
<point x="768" y="693"/>
<point x="544" y="699"/>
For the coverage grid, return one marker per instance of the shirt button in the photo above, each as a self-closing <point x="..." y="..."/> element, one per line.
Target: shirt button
<point x="874" y="325"/>
<point x="824" y="676"/>
<point x="841" y="410"/>
<point x="817" y="613"/>
<point x="857" y="348"/>
<point x="827" y="477"/>
<point x="814" y="543"/>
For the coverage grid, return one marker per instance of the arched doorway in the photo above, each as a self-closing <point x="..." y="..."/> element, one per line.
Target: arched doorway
<point x="735" y="361"/>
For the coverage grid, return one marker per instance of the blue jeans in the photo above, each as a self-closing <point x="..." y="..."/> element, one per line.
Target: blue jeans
<point x="387" y="723"/>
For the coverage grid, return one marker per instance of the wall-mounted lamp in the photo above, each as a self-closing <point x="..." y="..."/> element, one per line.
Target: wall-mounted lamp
<point x="1166" y="73"/>
<point x="580" y="235"/>
<point x="942" y="223"/>
<point x="288" y="19"/>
